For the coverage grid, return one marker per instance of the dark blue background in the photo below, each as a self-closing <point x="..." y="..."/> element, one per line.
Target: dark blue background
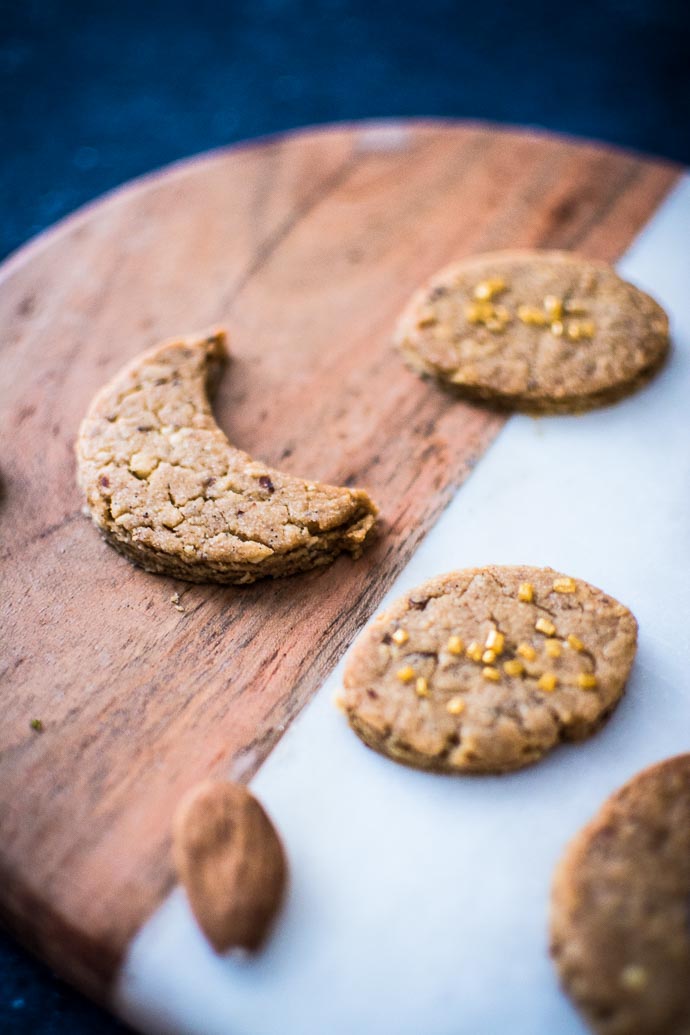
<point x="93" y="93"/>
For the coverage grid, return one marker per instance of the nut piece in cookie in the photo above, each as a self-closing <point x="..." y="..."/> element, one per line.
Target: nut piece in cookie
<point x="620" y="935"/>
<point x="231" y="863"/>
<point x="485" y="670"/>
<point x="542" y="332"/>
<point x="169" y="491"/>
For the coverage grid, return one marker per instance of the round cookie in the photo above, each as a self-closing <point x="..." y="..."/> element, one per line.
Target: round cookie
<point x="542" y="332"/>
<point x="620" y="923"/>
<point x="485" y="670"/>
<point x="169" y="491"/>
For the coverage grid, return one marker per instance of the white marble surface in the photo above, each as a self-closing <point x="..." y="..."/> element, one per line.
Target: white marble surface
<point x="418" y="903"/>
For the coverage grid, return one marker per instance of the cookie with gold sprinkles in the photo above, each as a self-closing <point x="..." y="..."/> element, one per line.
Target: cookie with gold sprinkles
<point x="537" y="331"/>
<point x="620" y="935"/>
<point x="485" y="670"/>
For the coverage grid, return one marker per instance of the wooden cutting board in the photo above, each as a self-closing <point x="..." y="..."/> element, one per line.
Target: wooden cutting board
<point x="305" y="247"/>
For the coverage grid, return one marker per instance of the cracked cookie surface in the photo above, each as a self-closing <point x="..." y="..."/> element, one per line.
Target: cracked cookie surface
<point x="170" y="492"/>
<point x="542" y="332"/>
<point x="620" y="936"/>
<point x="486" y="669"/>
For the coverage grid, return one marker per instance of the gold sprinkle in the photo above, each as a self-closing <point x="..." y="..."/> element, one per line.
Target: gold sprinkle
<point x="514" y="667"/>
<point x="543" y="625"/>
<point x="488" y="289"/>
<point x="526" y="592"/>
<point x="531" y="316"/>
<point x="553" y="307"/>
<point x="553" y="648"/>
<point x="478" y="312"/>
<point x="455" y="706"/>
<point x="587" y="680"/>
<point x="422" y="687"/>
<point x="564" y="585"/>
<point x="474" y="651"/>
<point x="491" y="673"/>
<point x="455" y="645"/>
<point x="587" y="328"/>
<point x="526" y="651"/>
<point x="406" y="674"/>
<point x="634" y="977"/>
<point x="575" y="642"/>
<point x="495" y="641"/>
<point x="488" y="657"/>
<point x="557" y="328"/>
<point x="400" y="636"/>
<point x="548" y="682"/>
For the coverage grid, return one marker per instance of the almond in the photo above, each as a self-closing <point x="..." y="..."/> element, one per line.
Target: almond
<point x="231" y="863"/>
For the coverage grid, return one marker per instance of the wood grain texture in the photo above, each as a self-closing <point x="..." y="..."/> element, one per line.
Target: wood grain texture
<point x="305" y="247"/>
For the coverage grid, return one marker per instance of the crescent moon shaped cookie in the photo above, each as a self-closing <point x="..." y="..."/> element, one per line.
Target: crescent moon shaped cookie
<point x="485" y="670"/>
<point x="542" y="332"/>
<point x="620" y="935"/>
<point x="170" y="492"/>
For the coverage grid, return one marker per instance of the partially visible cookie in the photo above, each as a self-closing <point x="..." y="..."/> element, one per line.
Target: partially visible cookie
<point x="620" y="910"/>
<point x="542" y="332"/>
<point x="169" y="491"/>
<point x="485" y="670"/>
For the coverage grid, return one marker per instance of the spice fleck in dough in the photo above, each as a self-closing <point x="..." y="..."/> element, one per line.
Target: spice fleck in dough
<point x="542" y="332"/>
<point x="620" y="935"/>
<point x="168" y="490"/>
<point x="485" y="670"/>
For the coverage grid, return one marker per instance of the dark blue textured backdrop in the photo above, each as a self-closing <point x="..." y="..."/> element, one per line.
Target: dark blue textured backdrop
<point x="93" y="93"/>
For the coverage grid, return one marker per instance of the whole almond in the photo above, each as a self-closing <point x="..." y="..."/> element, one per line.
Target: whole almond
<point x="231" y="863"/>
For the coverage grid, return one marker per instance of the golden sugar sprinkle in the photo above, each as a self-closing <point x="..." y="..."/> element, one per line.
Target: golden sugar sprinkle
<point x="400" y="636"/>
<point x="488" y="657"/>
<point x="455" y="645"/>
<point x="564" y="585"/>
<point x="526" y="592"/>
<point x="486" y="290"/>
<point x="491" y="673"/>
<point x="548" y="681"/>
<point x="526" y="651"/>
<point x="406" y="674"/>
<point x="455" y="706"/>
<point x="587" y="681"/>
<point x="553" y="307"/>
<point x="474" y="651"/>
<point x="514" y="667"/>
<point x="530" y="315"/>
<point x="422" y="687"/>
<point x="495" y="641"/>
<point x="574" y="641"/>
<point x="553" y="648"/>
<point x="543" y="625"/>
